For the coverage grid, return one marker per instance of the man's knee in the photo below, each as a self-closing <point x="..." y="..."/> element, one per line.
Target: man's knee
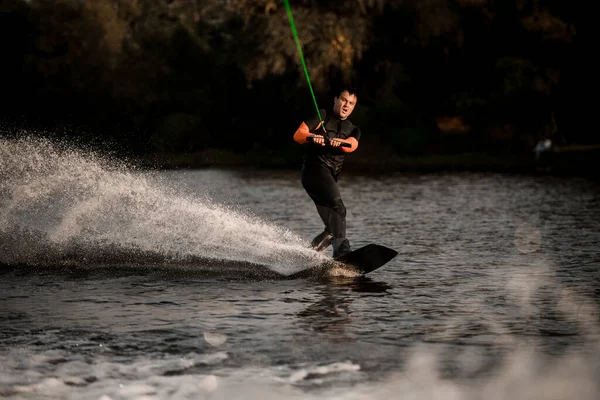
<point x="339" y="207"/>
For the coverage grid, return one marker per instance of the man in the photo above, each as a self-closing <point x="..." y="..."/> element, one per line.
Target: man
<point x="326" y="145"/>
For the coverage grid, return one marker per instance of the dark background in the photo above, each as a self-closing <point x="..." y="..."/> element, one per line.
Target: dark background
<point x="471" y="84"/>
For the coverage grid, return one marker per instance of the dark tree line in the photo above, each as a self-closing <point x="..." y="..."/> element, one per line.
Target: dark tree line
<point x="181" y="76"/>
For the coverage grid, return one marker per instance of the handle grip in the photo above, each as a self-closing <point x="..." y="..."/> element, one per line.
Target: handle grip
<point x="327" y="142"/>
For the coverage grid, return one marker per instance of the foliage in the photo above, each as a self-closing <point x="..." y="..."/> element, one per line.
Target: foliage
<point x="183" y="75"/>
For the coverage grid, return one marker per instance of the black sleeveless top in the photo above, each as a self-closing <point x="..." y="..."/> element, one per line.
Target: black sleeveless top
<point x="330" y="157"/>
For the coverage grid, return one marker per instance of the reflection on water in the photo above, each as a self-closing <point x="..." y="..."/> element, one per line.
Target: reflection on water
<point x="331" y="314"/>
<point x="362" y="284"/>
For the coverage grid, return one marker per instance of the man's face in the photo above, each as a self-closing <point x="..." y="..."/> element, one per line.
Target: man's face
<point x="344" y="105"/>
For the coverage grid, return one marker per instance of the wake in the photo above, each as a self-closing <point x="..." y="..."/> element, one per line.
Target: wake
<point x="61" y="206"/>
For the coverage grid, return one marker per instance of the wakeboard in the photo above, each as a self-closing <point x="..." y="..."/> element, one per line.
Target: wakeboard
<point x="367" y="258"/>
<point x="363" y="260"/>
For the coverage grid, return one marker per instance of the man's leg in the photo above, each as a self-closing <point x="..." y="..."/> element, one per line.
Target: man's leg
<point x="324" y="191"/>
<point x="322" y="240"/>
<point x="314" y="182"/>
<point x="337" y="224"/>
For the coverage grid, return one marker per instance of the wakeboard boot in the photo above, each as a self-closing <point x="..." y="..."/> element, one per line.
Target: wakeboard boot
<point x="321" y="241"/>
<point x="341" y="247"/>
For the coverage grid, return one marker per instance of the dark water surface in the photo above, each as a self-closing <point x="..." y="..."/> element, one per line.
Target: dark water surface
<point x="109" y="288"/>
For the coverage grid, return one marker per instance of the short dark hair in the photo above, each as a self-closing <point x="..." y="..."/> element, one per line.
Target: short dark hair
<point x="348" y="89"/>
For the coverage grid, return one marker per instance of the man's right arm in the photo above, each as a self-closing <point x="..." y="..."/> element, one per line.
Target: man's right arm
<point x="307" y="129"/>
<point x="303" y="133"/>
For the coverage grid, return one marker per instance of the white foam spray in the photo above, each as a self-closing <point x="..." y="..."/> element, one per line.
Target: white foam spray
<point x="59" y="204"/>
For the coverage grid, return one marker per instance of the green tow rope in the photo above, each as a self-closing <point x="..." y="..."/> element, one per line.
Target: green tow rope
<point x="289" y="13"/>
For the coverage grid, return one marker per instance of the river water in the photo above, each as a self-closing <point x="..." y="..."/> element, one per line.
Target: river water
<point x="117" y="283"/>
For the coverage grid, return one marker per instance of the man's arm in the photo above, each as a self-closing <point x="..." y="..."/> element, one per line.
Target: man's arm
<point x="302" y="133"/>
<point x="307" y="129"/>
<point x="352" y="140"/>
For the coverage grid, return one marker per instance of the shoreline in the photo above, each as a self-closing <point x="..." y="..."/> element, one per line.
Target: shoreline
<point x="578" y="160"/>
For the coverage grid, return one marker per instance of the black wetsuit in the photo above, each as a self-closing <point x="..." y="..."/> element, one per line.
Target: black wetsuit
<point x="320" y="171"/>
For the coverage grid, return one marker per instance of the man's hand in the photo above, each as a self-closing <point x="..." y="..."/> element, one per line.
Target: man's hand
<point x="318" y="139"/>
<point x="336" y="142"/>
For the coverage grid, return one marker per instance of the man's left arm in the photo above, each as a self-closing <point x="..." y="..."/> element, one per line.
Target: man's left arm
<point x="352" y="140"/>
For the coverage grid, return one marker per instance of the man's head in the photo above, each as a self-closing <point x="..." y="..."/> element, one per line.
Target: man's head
<point x="344" y="102"/>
